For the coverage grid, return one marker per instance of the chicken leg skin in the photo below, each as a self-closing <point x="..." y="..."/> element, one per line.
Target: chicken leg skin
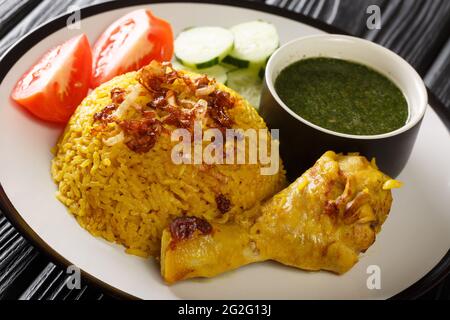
<point x="322" y="221"/>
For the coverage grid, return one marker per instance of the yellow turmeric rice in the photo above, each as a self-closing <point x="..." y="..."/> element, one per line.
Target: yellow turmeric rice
<point x="129" y="197"/>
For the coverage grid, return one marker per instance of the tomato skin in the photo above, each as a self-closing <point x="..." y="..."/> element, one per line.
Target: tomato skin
<point x="54" y="87"/>
<point x="129" y="44"/>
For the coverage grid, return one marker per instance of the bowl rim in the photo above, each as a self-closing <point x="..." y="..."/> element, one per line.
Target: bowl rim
<point x="416" y="78"/>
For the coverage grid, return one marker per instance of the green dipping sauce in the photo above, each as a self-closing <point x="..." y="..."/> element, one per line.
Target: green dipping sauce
<point x="342" y="96"/>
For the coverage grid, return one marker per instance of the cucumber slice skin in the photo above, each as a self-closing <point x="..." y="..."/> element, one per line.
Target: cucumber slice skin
<point x="245" y="64"/>
<point x="202" y="65"/>
<point x="207" y="64"/>
<point x="203" y="47"/>
<point x="262" y="72"/>
<point x="242" y="64"/>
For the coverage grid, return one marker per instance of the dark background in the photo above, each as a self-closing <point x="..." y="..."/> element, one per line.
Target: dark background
<point x="418" y="30"/>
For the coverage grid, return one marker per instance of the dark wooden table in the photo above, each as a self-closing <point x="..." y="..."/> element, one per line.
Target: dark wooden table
<point x="418" y="30"/>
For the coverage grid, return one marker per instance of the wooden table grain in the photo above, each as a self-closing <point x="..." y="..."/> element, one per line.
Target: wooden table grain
<point x="418" y="30"/>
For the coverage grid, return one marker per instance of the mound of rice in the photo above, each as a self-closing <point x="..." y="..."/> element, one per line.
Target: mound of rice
<point x="128" y="197"/>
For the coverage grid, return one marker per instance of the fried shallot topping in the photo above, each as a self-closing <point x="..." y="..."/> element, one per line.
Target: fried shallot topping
<point x="184" y="227"/>
<point x="218" y="104"/>
<point x="223" y="203"/>
<point x="141" y="135"/>
<point x="202" y="82"/>
<point x="118" y="95"/>
<point x="159" y="102"/>
<point x="177" y="100"/>
<point x="180" y="118"/>
<point x="156" y="77"/>
<point x="105" y="116"/>
<point x="159" y="79"/>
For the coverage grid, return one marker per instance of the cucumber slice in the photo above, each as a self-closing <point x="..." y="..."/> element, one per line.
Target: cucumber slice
<point x="247" y="83"/>
<point x="218" y="72"/>
<point x="178" y="66"/>
<point x="232" y="61"/>
<point x="262" y="72"/>
<point x="254" y="43"/>
<point x="203" y="47"/>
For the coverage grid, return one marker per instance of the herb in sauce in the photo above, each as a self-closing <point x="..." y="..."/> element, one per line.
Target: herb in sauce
<point x="342" y="96"/>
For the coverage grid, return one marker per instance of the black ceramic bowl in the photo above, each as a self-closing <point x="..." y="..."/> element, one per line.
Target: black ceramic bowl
<point x="302" y="142"/>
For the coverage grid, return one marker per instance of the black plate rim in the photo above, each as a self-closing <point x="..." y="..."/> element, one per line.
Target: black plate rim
<point x="426" y="283"/>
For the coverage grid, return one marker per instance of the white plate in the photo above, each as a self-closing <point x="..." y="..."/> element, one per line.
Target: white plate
<point x="414" y="239"/>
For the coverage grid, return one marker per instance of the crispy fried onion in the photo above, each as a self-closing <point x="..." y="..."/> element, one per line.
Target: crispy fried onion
<point x="177" y="100"/>
<point x="204" y="97"/>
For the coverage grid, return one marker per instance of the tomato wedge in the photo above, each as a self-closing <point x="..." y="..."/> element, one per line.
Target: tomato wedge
<point x="130" y="43"/>
<point x="54" y="87"/>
